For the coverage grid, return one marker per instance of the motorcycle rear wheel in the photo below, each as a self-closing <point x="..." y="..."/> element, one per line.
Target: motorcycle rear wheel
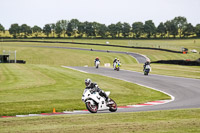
<point x="91" y="108"/>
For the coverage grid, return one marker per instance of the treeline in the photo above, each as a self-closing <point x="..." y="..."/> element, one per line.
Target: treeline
<point x="177" y="27"/>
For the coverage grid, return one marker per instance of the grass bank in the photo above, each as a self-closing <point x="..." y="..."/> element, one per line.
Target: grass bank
<point x="179" y="121"/>
<point x="172" y="44"/>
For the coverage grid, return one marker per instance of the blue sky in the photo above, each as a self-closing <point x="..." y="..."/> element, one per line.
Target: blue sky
<point x="41" y="12"/>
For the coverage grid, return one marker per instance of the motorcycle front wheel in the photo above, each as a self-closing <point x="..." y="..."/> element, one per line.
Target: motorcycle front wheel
<point x="91" y="108"/>
<point x="113" y="107"/>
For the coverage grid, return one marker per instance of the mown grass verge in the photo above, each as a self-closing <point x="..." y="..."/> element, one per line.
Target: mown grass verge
<point x="179" y="121"/>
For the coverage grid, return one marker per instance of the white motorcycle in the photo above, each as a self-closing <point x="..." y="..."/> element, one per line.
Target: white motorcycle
<point x="147" y="69"/>
<point x="97" y="63"/>
<point x="94" y="102"/>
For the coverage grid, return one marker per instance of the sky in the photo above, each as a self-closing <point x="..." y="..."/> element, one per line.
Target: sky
<point x="41" y="12"/>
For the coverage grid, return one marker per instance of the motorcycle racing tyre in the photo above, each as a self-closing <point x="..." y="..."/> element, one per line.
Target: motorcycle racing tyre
<point x="91" y="108"/>
<point x="113" y="107"/>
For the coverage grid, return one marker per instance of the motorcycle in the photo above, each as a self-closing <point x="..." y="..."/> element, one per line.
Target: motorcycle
<point x="147" y="69"/>
<point x="94" y="102"/>
<point x="97" y="63"/>
<point x="117" y="66"/>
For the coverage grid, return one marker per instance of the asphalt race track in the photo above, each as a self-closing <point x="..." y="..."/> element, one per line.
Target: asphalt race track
<point x="185" y="92"/>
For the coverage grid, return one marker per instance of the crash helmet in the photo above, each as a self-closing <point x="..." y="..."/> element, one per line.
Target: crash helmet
<point x="88" y="82"/>
<point x="148" y="60"/>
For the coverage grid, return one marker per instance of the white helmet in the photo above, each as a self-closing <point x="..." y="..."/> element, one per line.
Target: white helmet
<point x="88" y="82"/>
<point x="148" y="60"/>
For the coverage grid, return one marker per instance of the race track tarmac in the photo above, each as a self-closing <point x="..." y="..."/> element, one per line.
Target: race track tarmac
<point x="185" y="92"/>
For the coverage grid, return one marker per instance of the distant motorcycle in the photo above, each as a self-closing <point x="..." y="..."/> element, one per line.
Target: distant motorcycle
<point x="117" y="65"/>
<point x="94" y="102"/>
<point x="97" y="63"/>
<point x="147" y="69"/>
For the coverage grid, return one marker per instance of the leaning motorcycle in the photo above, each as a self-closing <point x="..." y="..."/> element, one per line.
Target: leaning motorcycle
<point x="117" y="66"/>
<point x="147" y="69"/>
<point x="97" y="63"/>
<point x="94" y="102"/>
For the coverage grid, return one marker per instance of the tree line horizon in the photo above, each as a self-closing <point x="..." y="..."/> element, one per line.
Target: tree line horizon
<point x="177" y="27"/>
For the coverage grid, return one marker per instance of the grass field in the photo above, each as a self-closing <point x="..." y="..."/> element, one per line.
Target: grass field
<point x="58" y="57"/>
<point x="173" y="121"/>
<point x="42" y="84"/>
<point x="154" y="55"/>
<point x="173" y="44"/>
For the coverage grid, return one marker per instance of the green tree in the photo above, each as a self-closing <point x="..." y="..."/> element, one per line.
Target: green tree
<point x="89" y="29"/>
<point x="2" y="29"/>
<point x="63" y="25"/>
<point x="81" y="29"/>
<point x="188" y="30"/>
<point x="47" y="29"/>
<point x="74" y="23"/>
<point x="181" y="23"/>
<point x="26" y="30"/>
<point x="149" y="28"/>
<point x="138" y="29"/>
<point x="172" y="28"/>
<point x="161" y="29"/>
<point x="53" y="28"/>
<point x="126" y="28"/>
<point x="95" y="26"/>
<point x="58" y="29"/>
<point x="167" y="25"/>
<point x="14" y="30"/>
<point x="112" y="30"/>
<point x="36" y="30"/>
<point x="119" y="28"/>
<point x="69" y="29"/>
<point x="102" y="30"/>
<point x="197" y="30"/>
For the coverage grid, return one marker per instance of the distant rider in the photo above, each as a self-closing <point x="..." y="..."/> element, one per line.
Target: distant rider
<point x="96" y="59"/>
<point x="146" y="64"/>
<point x="114" y="60"/>
<point x="94" y="87"/>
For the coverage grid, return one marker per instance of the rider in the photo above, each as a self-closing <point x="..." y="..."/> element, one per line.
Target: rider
<point x="118" y="61"/>
<point x="96" y="59"/>
<point x="146" y="63"/>
<point x="90" y="85"/>
<point x="114" y="61"/>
